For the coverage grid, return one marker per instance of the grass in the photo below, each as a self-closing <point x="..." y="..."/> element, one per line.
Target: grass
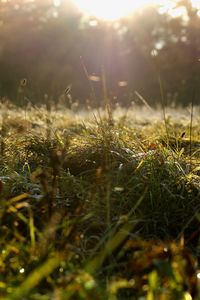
<point x="97" y="206"/>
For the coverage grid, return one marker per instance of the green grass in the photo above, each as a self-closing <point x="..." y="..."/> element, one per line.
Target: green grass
<point x="97" y="206"/>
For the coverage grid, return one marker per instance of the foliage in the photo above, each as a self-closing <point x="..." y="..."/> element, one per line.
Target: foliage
<point x="43" y="43"/>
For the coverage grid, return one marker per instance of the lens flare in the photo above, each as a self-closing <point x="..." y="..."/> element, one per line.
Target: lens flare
<point x="112" y="10"/>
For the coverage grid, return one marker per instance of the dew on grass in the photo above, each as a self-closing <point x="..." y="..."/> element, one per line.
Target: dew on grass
<point x="22" y="270"/>
<point x="118" y="189"/>
<point x="187" y="296"/>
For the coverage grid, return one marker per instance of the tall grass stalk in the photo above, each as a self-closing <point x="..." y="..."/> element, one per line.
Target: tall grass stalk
<point x="163" y="106"/>
<point x="3" y="133"/>
<point x="88" y="79"/>
<point x="106" y="99"/>
<point x="162" y="98"/>
<point x="191" y="126"/>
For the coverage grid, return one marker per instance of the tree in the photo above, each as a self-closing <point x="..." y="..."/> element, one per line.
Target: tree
<point x="43" y="42"/>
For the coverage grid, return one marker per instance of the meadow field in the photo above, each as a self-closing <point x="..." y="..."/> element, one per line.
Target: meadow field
<point x="99" y="150"/>
<point x="99" y="204"/>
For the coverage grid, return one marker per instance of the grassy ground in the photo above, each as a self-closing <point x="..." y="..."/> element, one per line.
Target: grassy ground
<point x="98" y="205"/>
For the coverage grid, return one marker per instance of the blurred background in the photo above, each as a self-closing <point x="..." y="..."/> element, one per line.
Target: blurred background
<point x="67" y="50"/>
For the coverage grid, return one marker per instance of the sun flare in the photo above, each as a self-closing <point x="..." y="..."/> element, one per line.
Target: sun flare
<point x="111" y="10"/>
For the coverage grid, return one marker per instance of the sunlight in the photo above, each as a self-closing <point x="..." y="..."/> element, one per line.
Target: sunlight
<point x="111" y="10"/>
<point x="196" y="3"/>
